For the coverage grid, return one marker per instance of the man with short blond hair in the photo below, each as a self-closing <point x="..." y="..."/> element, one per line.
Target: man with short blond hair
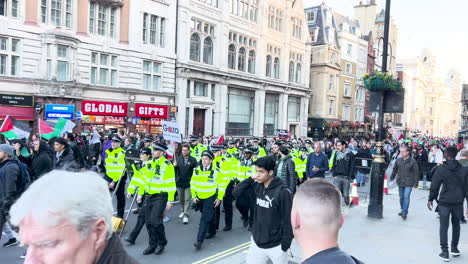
<point x="316" y="219"/>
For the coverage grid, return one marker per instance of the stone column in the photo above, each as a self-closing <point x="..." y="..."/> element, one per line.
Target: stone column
<point x="259" y="113"/>
<point x="283" y="112"/>
<point x="304" y="116"/>
<point x="208" y="120"/>
<point x="221" y="109"/>
<point x="124" y="21"/>
<point x="181" y="101"/>
<point x="32" y="13"/>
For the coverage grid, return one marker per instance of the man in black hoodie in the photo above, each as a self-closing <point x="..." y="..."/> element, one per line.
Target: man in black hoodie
<point x="272" y="231"/>
<point x="454" y="180"/>
<point x="9" y="181"/>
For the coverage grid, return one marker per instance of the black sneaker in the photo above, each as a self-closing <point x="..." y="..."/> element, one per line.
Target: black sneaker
<point x="245" y="223"/>
<point x="455" y="252"/>
<point x="197" y="245"/>
<point x="11" y="242"/>
<point x="444" y="256"/>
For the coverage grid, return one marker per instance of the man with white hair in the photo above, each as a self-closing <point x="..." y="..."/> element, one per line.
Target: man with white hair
<point x="76" y="228"/>
<point x="316" y="220"/>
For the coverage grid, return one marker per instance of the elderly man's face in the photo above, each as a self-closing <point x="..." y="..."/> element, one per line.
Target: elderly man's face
<point x="61" y="244"/>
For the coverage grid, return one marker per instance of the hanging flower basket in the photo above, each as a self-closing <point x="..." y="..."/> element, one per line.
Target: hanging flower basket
<point x="381" y="82"/>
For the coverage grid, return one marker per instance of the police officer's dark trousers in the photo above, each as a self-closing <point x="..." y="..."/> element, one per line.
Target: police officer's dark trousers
<point x="227" y="203"/>
<point x="140" y="220"/>
<point x="120" y="195"/>
<point x="154" y="209"/>
<point x="207" y="220"/>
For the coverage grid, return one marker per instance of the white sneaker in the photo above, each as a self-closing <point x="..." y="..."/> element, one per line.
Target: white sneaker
<point x="181" y="215"/>
<point x="185" y="221"/>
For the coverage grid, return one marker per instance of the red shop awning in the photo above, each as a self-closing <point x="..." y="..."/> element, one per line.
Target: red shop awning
<point x="19" y="113"/>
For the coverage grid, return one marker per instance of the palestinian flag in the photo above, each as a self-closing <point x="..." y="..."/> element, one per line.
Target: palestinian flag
<point x="13" y="129"/>
<point x="63" y="126"/>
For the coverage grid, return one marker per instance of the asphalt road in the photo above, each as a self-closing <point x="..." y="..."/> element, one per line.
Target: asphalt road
<point x="180" y="242"/>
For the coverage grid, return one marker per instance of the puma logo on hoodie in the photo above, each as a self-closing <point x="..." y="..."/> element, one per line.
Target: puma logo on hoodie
<point x="265" y="204"/>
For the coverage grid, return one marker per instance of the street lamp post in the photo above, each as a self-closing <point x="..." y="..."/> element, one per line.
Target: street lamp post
<point x="375" y="209"/>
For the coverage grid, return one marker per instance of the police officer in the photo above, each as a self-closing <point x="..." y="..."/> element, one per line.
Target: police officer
<point x="246" y="202"/>
<point x="301" y="162"/>
<point x="207" y="189"/>
<point x="223" y="163"/>
<point x="147" y="142"/>
<point x="138" y="183"/>
<point x="160" y="189"/>
<point x="229" y="176"/>
<point x="308" y="145"/>
<point x="262" y="152"/>
<point x="197" y="148"/>
<point x="115" y="173"/>
<point x="232" y="148"/>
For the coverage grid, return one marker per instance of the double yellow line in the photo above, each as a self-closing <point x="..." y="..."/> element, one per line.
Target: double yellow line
<point x="224" y="254"/>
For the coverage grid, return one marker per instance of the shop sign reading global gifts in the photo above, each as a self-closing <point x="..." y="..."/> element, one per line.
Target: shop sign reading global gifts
<point x="104" y="108"/>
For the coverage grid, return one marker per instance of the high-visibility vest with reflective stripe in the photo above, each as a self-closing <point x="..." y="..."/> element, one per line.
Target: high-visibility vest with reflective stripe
<point x="224" y="166"/>
<point x="115" y="163"/>
<point x="205" y="184"/>
<point x="262" y="152"/>
<point x="138" y="178"/>
<point x="160" y="179"/>
<point x="332" y="159"/>
<point x="231" y="162"/>
<point x="232" y="151"/>
<point x="244" y="171"/>
<point x="300" y="166"/>
<point x="197" y="151"/>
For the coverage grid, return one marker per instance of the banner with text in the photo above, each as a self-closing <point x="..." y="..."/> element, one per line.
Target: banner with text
<point x="171" y="131"/>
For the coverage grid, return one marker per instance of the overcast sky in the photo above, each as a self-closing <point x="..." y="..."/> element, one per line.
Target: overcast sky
<point x="441" y="26"/>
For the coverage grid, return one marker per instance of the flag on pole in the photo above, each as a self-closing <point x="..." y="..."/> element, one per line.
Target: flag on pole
<point x="13" y="129"/>
<point x="220" y="140"/>
<point x="44" y="128"/>
<point x="63" y="126"/>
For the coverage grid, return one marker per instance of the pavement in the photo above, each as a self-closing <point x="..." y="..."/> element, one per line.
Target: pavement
<point x="384" y="241"/>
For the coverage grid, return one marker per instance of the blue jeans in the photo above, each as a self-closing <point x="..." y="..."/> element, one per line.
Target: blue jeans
<point x="405" y="193"/>
<point x="361" y="177"/>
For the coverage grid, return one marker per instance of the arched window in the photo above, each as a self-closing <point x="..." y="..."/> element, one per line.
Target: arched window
<point x="291" y="71"/>
<point x="268" y="66"/>
<point x="195" y="47"/>
<point x="252" y="61"/>
<point x="298" y="73"/>
<point x="208" y="51"/>
<point x="232" y="57"/>
<point x="241" y="60"/>
<point x="276" y="68"/>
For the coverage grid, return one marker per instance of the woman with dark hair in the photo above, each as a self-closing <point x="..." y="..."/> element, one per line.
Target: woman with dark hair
<point x="40" y="162"/>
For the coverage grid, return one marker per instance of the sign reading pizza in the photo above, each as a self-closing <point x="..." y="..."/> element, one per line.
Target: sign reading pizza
<point x="151" y="111"/>
<point x="104" y="108"/>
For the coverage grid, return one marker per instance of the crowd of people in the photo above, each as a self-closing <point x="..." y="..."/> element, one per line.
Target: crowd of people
<point x="260" y="176"/>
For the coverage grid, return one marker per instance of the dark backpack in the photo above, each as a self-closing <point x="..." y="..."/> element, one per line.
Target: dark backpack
<point x="24" y="179"/>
